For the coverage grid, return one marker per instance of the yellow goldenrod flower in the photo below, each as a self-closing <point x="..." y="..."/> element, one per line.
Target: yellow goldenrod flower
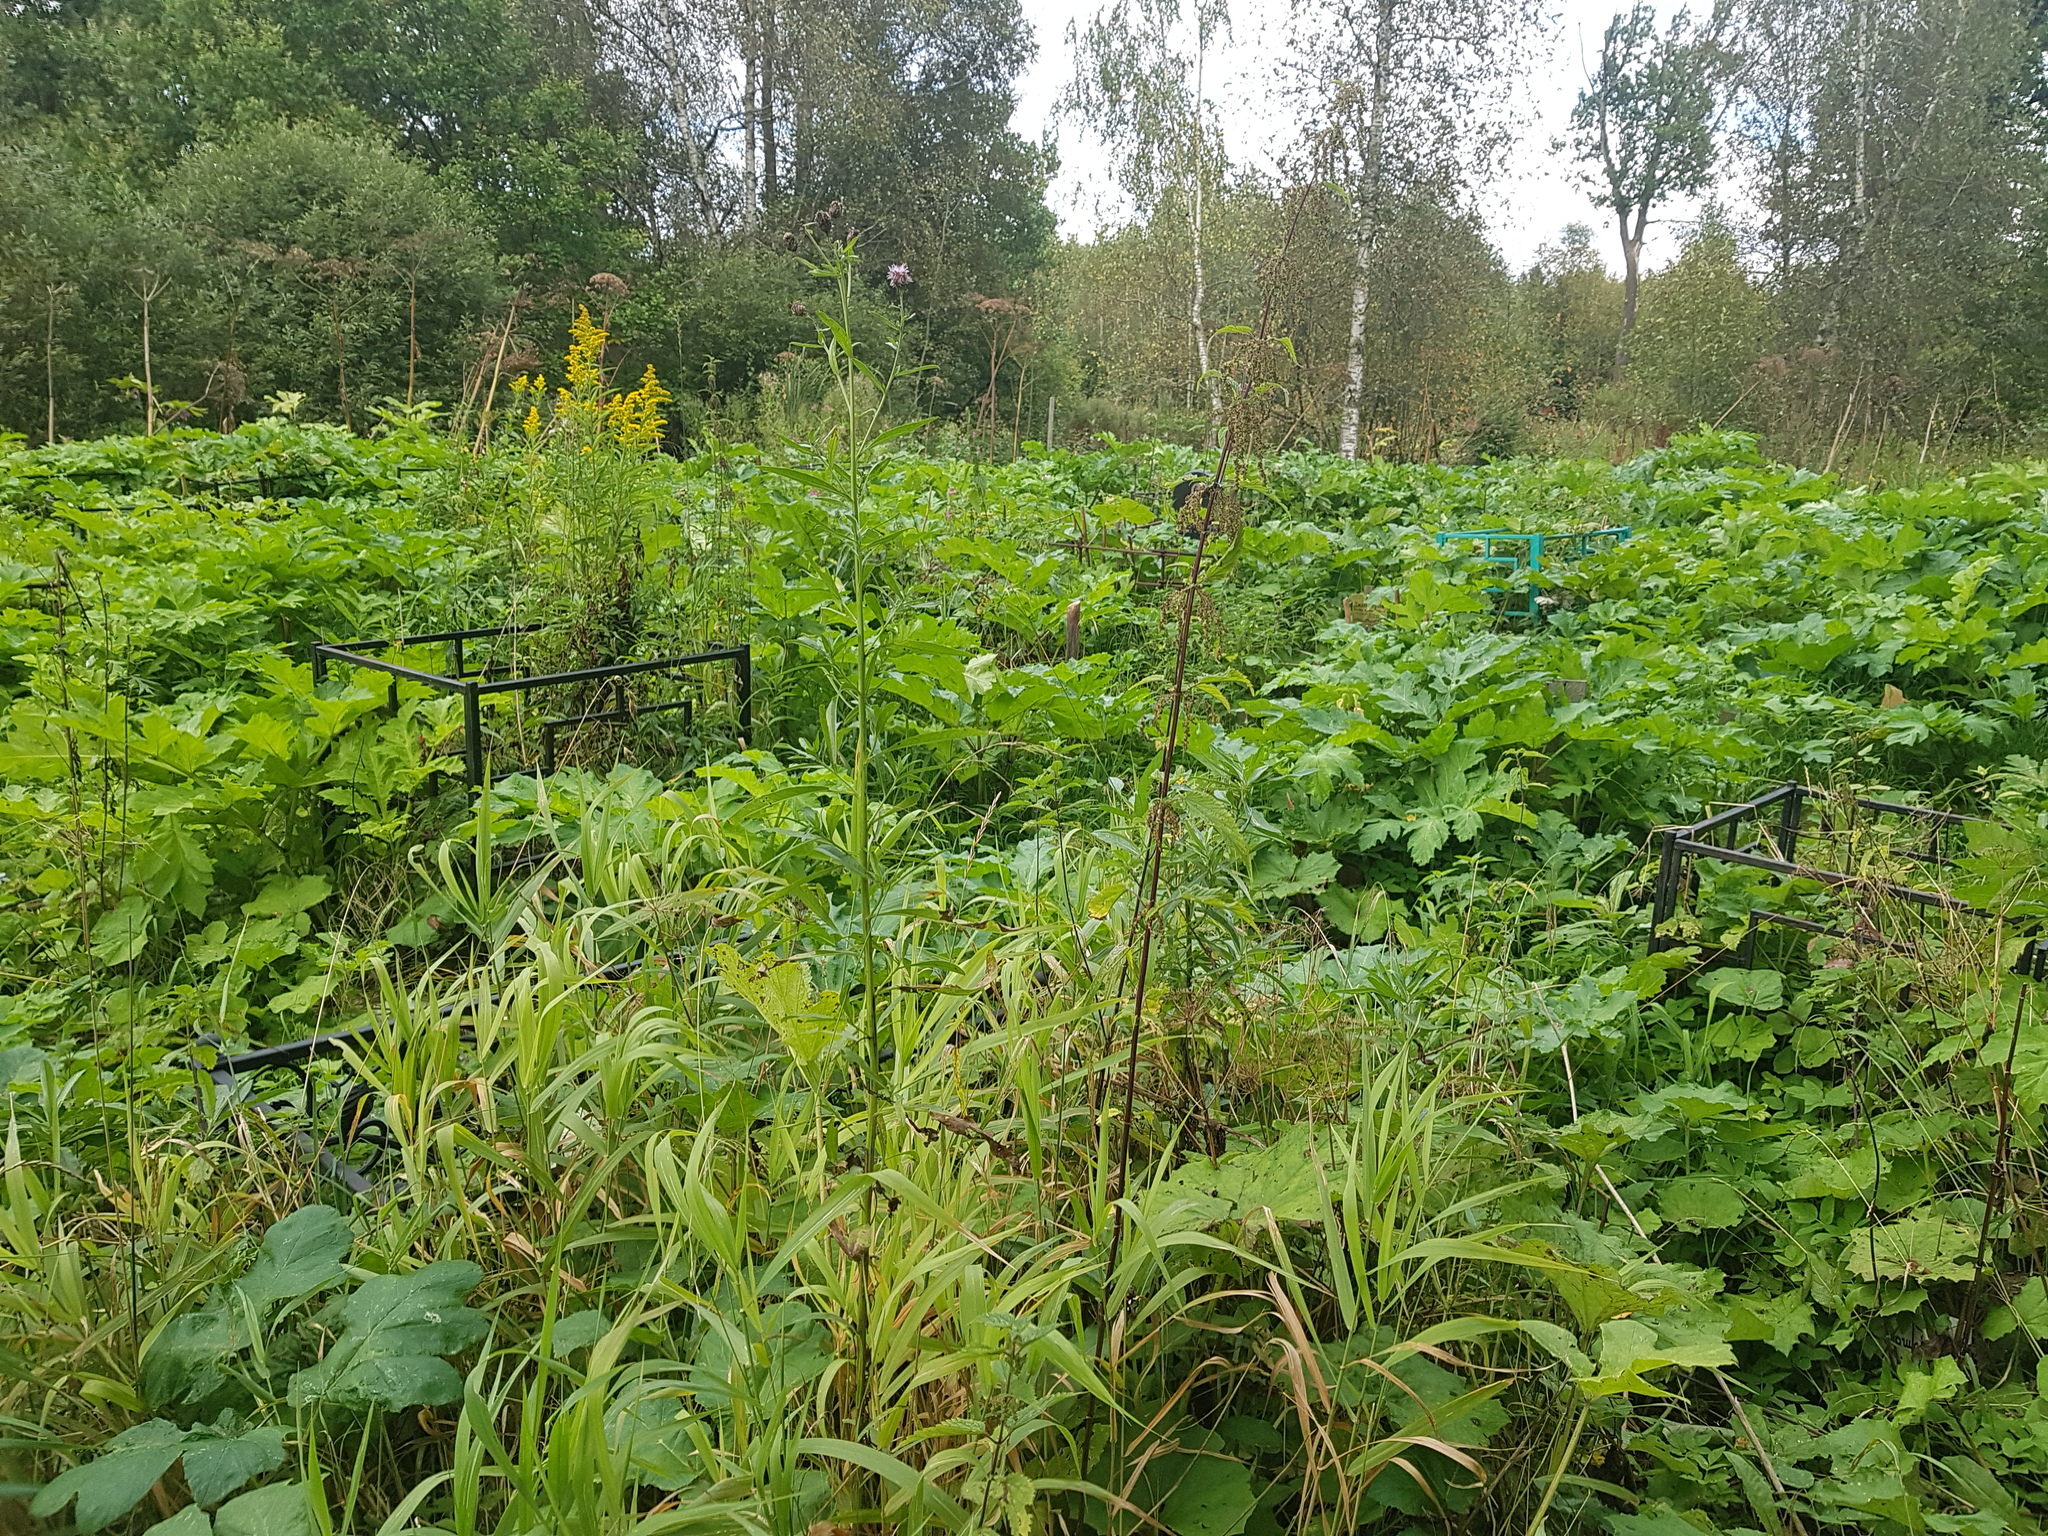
<point x="586" y="357"/>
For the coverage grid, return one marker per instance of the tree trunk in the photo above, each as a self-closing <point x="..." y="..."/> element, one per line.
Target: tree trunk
<point x="149" y="292"/>
<point x="1198" y="300"/>
<point x="412" y="333"/>
<point x="340" y="357"/>
<point x="50" y="365"/>
<point x="1631" y="286"/>
<point x="771" y="191"/>
<point x="1373" y="217"/>
<point x="682" y="104"/>
<point x="750" y="121"/>
<point x="1861" y="61"/>
<point x="1354" y="363"/>
<point x="1864" y="49"/>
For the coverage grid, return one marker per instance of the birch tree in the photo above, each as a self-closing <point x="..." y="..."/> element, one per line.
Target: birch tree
<point x="681" y="54"/>
<point x="1404" y="99"/>
<point x="1139" y="87"/>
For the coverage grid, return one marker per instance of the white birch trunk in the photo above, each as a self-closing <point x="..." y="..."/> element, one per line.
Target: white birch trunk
<point x="1373" y="217"/>
<point x="1354" y="357"/>
<point x="1198" y="299"/>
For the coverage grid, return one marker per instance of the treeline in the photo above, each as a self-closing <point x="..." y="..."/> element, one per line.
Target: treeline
<point x="223" y="208"/>
<point x="376" y="203"/>
<point x="1867" y="275"/>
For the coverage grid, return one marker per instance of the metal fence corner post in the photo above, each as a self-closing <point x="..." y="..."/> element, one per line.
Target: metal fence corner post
<point x="1664" y="901"/>
<point x="1789" y="818"/>
<point x="743" y="686"/>
<point x="472" y="734"/>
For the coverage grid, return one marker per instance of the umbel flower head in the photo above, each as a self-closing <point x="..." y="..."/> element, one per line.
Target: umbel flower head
<point x="899" y="276"/>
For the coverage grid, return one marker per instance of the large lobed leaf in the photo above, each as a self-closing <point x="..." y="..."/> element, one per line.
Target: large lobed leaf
<point x="395" y="1328"/>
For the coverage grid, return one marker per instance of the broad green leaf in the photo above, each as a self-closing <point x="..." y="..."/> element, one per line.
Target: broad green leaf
<point x="249" y="943"/>
<point x="1282" y="1177"/>
<point x="1630" y="1350"/>
<point x="1922" y="1248"/>
<point x="395" y="1328"/>
<point x="1920" y="1390"/>
<point x="279" y="1509"/>
<point x="1363" y="914"/>
<point x="120" y="935"/>
<point x="287" y="897"/>
<point x="1814" y="1046"/>
<point x="1189" y="1487"/>
<point x="1663" y="1523"/>
<point x="216" y="1468"/>
<point x="579" y="1330"/>
<point x="1593" y="1297"/>
<point x="113" y="1483"/>
<point x="189" y="1521"/>
<point x="184" y="1363"/>
<point x="1739" y="1037"/>
<point x="174" y="867"/>
<point x="808" y="1026"/>
<point x="1703" y="1203"/>
<point x="428" y="924"/>
<point x="786" y="1349"/>
<point x="1696" y="1103"/>
<point x="301" y="1253"/>
<point x="21" y="1064"/>
<point x="983" y="673"/>
<point x="1757" y="991"/>
<point x="1779" y="1321"/>
<point x="1556" y="1342"/>
<point x="1214" y="1497"/>
<point x="2028" y="1309"/>
<point x="1007" y="1496"/>
<point x="306" y="995"/>
<point x="1277" y="873"/>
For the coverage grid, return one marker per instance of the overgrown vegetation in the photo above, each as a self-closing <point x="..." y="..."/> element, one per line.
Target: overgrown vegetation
<point x="1119" y="1045"/>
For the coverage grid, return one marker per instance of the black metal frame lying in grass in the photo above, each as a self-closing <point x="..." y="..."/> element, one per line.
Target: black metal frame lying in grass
<point x="355" y="1119"/>
<point x="474" y="684"/>
<point x="353" y="1150"/>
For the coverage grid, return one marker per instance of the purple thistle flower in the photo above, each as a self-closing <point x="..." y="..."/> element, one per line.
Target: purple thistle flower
<point x="899" y="276"/>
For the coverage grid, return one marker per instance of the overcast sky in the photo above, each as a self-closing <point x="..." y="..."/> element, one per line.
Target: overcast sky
<point x="1524" y="209"/>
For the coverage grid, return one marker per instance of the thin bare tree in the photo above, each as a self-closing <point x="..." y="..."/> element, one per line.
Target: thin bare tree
<point x="1139" y="88"/>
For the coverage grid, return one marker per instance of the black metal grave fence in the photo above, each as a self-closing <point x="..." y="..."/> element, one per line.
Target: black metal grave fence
<point x="607" y="693"/>
<point x="303" y="1092"/>
<point x="1765" y="834"/>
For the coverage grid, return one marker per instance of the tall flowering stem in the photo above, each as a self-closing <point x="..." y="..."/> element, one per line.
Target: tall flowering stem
<point x="1213" y="508"/>
<point x="851" y="450"/>
<point x="585" y="445"/>
<point x="861" y="391"/>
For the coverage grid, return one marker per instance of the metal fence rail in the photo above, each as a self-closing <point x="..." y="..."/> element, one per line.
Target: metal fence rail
<point x="473" y="684"/>
<point x="342" y="1133"/>
<point x="1523" y="554"/>
<point x="1764" y="834"/>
